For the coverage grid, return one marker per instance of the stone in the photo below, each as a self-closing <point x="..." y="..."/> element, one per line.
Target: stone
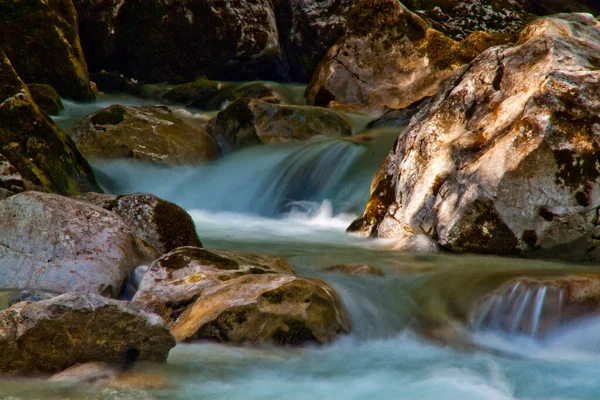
<point x="46" y="98"/>
<point x="147" y="133"/>
<point x="54" y="243"/>
<point x="51" y="335"/>
<point x="115" y="82"/>
<point x="161" y="223"/>
<point x="35" y="31"/>
<point x="239" y="298"/>
<point x="36" y="153"/>
<point x="354" y="270"/>
<point x="504" y="158"/>
<point x="248" y="122"/>
<point x="195" y="94"/>
<point x="179" y="40"/>
<point x="30" y="296"/>
<point x="389" y="59"/>
<point x="307" y="29"/>
<point x="548" y="7"/>
<point x="537" y="305"/>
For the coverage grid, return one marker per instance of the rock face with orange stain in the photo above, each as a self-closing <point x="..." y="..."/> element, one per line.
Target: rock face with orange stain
<point x="239" y="298"/>
<point x="504" y="159"/>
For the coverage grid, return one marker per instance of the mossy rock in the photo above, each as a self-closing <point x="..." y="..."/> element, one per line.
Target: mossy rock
<point x="250" y="122"/>
<point x="46" y="98"/>
<point x="42" y="41"/>
<point x="193" y="94"/>
<point x="150" y="133"/>
<point x="44" y="156"/>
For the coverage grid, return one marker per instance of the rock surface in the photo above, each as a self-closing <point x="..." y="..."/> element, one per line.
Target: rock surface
<point x="250" y="122"/>
<point x="504" y="159"/>
<point x="239" y="298"/>
<point x="46" y="98"/>
<point x="161" y="223"/>
<point x="36" y="31"/>
<point x="52" y="335"/>
<point x="147" y="133"/>
<point x="35" y="151"/>
<point x="354" y="270"/>
<point x="179" y="40"/>
<point x="54" y="243"/>
<point x="389" y="58"/>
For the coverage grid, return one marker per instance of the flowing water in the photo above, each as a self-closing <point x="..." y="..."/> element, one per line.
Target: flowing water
<point x="413" y="337"/>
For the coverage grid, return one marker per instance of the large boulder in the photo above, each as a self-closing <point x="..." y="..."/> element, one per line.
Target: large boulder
<point x="54" y="243"/>
<point x="179" y="40"/>
<point x="147" y="133"/>
<point x="40" y="153"/>
<point x="40" y="38"/>
<point x="239" y="298"/>
<point x="248" y="122"/>
<point x="307" y="29"/>
<point x="161" y="223"/>
<point x="46" y="98"/>
<point x="389" y="58"/>
<point x="52" y="335"/>
<point x="504" y="159"/>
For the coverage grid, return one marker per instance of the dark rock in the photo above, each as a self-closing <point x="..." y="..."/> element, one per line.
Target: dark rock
<point x="115" y="82"/>
<point x="354" y="270"/>
<point x="31" y="296"/>
<point x="46" y="98"/>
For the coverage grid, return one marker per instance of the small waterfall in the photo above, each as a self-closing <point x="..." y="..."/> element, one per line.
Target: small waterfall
<point x="521" y="308"/>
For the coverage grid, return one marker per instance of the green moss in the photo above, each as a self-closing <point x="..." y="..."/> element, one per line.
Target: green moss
<point x="175" y="227"/>
<point x="273" y="296"/>
<point x="296" y="333"/>
<point x="113" y="115"/>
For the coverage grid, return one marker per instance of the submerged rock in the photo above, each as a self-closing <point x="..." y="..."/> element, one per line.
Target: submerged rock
<point x="239" y="298"/>
<point x="36" y="31"/>
<point x="504" y="158"/>
<point x="250" y="122"/>
<point x="354" y="270"/>
<point x="54" y="243"/>
<point x="52" y="335"/>
<point x="179" y="40"/>
<point x="35" y="153"/>
<point x="161" y="223"/>
<point x="148" y="133"/>
<point x="389" y="58"/>
<point x="46" y="98"/>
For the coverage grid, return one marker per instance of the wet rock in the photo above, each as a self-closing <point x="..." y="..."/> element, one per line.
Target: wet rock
<point x="547" y="7"/>
<point x="194" y="94"/>
<point x="54" y="243"/>
<point x="354" y="270"/>
<point x="396" y="118"/>
<point x="161" y="223"/>
<point x="148" y="133"/>
<point x="179" y="40"/>
<point x="82" y="328"/>
<point x="115" y="82"/>
<point x="458" y="19"/>
<point x="307" y="29"/>
<point x="36" y="153"/>
<point x="38" y="30"/>
<point x="250" y="122"/>
<point x="504" y="159"/>
<point x="239" y="298"/>
<point x="46" y="98"/>
<point x="535" y="305"/>
<point x="389" y="59"/>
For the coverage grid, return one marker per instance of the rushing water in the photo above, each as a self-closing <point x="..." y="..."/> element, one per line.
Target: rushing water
<point x="411" y="335"/>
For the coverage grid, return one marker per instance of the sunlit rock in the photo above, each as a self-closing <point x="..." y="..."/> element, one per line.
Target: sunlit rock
<point x="147" y="133"/>
<point x="389" y="58"/>
<point x="504" y="158"/>
<point x="161" y="223"/>
<point x="52" y="335"/>
<point x="250" y="122"/>
<point x="239" y="298"/>
<point x="35" y="31"/>
<point x="55" y="243"/>
<point x="35" y="153"/>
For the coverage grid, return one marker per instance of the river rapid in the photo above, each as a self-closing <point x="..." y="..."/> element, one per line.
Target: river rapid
<point x="410" y="337"/>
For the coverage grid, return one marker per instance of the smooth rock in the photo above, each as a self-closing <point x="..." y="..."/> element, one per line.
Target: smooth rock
<point x="250" y="122"/>
<point x="52" y="335"/>
<point x="37" y="152"/>
<point x="147" y="133"/>
<point x="36" y="31"/>
<point x="354" y="270"/>
<point x="389" y="59"/>
<point x="46" y="98"/>
<point x="54" y="243"/>
<point x="504" y="158"/>
<point x="239" y="298"/>
<point x="161" y="223"/>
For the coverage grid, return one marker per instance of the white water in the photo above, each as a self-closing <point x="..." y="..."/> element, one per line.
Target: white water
<point x="248" y="202"/>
